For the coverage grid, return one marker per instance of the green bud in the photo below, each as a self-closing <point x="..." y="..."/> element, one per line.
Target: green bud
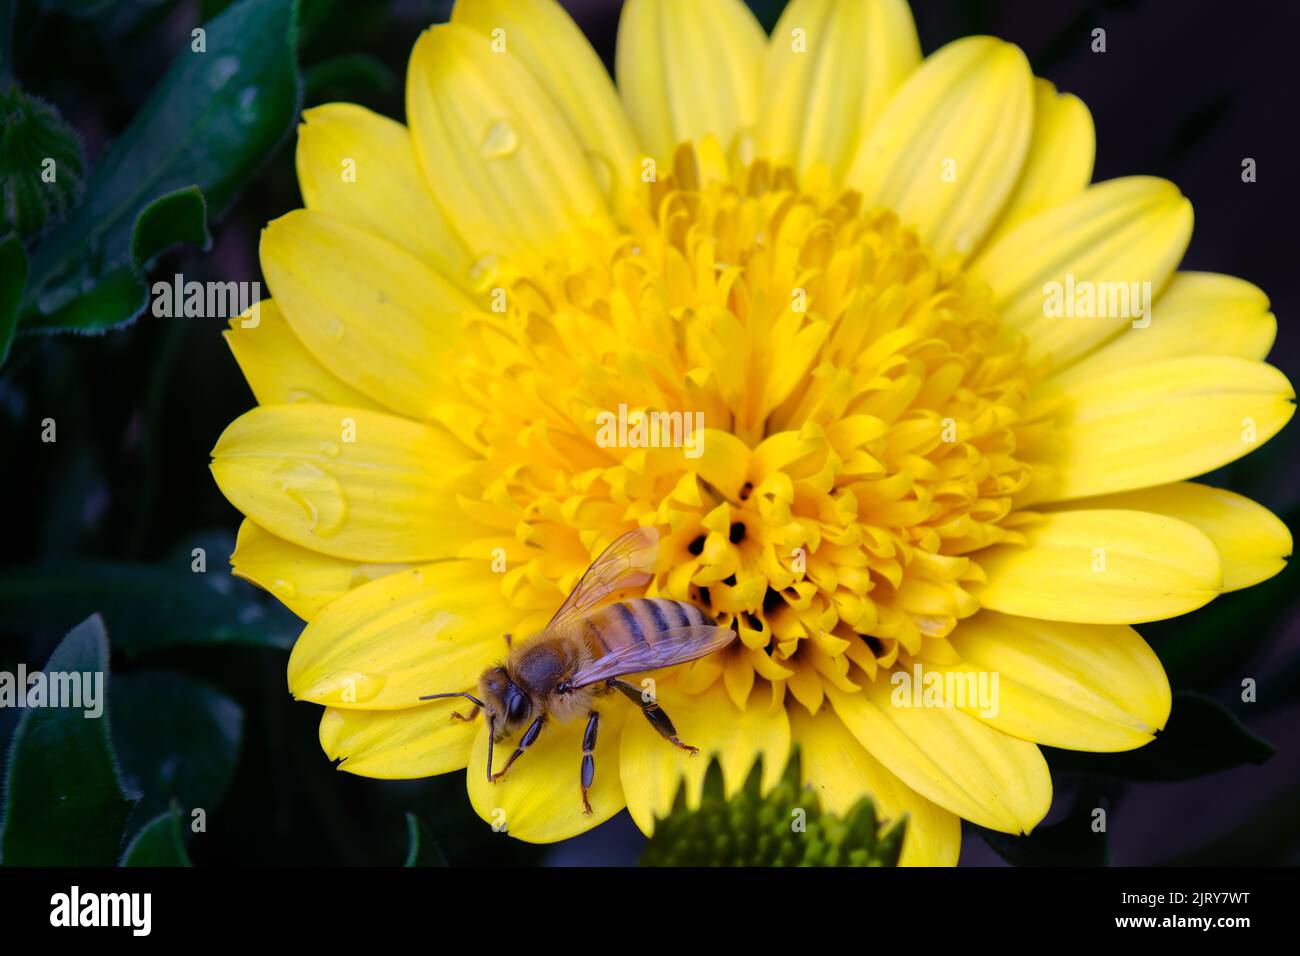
<point x="42" y="166"/>
<point x="755" y="830"/>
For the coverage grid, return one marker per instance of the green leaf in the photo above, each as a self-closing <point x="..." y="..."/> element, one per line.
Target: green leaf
<point x="180" y="216"/>
<point x="211" y="122"/>
<point x="64" y="803"/>
<point x="13" y="276"/>
<point x="160" y="842"/>
<point x="148" y="606"/>
<point x="1202" y="737"/>
<point x="421" y="848"/>
<point x="187" y="757"/>
<point x="347" y="77"/>
<point x="177" y="217"/>
<point x="783" y="828"/>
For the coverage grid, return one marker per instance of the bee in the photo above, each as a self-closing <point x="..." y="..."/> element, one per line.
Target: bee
<point x="585" y="651"/>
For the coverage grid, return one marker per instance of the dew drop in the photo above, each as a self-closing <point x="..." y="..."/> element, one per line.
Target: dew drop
<point x="283" y="589"/>
<point x="602" y="170"/>
<point x="329" y="449"/>
<point x="482" y="273"/>
<point x="746" y="144"/>
<point x="222" y="70"/>
<point x="319" y="494"/>
<point x="500" y="141"/>
<point x="248" y="104"/>
<point x="354" y="687"/>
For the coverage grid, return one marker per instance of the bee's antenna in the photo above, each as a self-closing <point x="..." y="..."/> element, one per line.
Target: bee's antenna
<point x="491" y="734"/>
<point x="459" y="693"/>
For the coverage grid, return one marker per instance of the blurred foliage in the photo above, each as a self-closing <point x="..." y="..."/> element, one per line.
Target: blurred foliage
<point x="784" y="827"/>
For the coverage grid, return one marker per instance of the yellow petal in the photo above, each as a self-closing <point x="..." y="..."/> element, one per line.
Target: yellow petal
<point x="842" y="772"/>
<point x="1095" y="687"/>
<point x="429" y="630"/>
<point x="653" y="769"/>
<point x="399" y="744"/>
<point x="359" y="167"/>
<point x="1102" y="567"/>
<point x="495" y="150"/>
<point x="373" y="314"/>
<point x="1071" y="277"/>
<point x="1158" y="422"/>
<point x="723" y="462"/>
<point x="1199" y="313"/>
<point x="829" y="72"/>
<point x="1253" y="544"/>
<point x="948" y="150"/>
<point x="688" y="69"/>
<point x="346" y="482"/>
<point x="544" y="38"/>
<point x="304" y="580"/>
<point x="951" y="758"/>
<point x="1061" y="152"/>
<point x="540" y="799"/>
<point x="278" y="367"/>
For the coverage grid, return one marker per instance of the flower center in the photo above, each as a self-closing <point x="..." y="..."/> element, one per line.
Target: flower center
<point x="859" y="404"/>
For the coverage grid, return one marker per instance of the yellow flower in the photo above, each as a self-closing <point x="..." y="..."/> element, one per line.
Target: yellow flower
<point x="943" y="430"/>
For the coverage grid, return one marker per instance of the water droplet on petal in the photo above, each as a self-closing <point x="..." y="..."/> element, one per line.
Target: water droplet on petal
<point x="500" y="141"/>
<point x="746" y="144"/>
<point x="319" y="494"/>
<point x="602" y="171"/>
<point x="329" y="449"/>
<point x="283" y="589"/>
<point x="483" y="273"/>
<point x="335" y="329"/>
<point x="351" y="687"/>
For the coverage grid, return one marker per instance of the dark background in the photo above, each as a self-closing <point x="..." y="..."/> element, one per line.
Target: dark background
<point x="1186" y="90"/>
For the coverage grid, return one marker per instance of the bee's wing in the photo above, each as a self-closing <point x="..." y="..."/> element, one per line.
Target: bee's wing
<point x="627" y="563"/>
<point x="674" y="646"/>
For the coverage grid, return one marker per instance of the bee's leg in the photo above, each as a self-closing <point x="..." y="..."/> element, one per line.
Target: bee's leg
<point x="509" y="639"/>
<point x="457" y="715"/>
<point x="588" y="760"/>
<point x="653" y="713"/>
<point x="525" y="742"/>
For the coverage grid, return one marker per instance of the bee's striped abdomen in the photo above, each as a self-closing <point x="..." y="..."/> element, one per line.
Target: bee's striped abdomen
<point x="639" y="621"/>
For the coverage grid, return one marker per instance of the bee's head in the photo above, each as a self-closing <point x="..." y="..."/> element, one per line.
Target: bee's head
<point x="505" y="704"/>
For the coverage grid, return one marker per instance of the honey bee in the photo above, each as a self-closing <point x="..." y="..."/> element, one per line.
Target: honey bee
<point x="583" y="652"/>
